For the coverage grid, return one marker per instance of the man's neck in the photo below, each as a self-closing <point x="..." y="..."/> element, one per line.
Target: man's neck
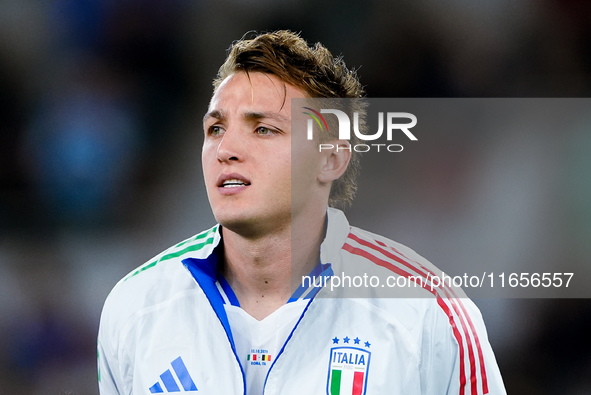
<point x="264" y="271"/>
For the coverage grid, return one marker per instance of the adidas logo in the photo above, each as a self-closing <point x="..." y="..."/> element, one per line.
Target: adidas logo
<point x="171" y="384"/>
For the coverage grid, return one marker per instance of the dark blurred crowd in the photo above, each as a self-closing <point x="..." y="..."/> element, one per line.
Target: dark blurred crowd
<point x="100" y="121"/>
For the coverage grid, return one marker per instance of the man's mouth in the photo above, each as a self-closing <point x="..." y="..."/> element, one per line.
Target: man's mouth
<point x="233" y="183"/>
<point x="232" y="180"/>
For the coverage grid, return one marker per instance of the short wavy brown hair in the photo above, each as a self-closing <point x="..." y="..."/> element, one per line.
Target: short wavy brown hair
<point x="312" y="69"/>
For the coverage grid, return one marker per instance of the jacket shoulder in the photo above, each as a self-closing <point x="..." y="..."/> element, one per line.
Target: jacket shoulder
<point x="195" y="246"/>
<point x="388" y="253"/>
<point x="158" y="279"/>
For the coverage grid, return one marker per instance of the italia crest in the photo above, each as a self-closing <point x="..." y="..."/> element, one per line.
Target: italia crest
<point x="348" y="367"/>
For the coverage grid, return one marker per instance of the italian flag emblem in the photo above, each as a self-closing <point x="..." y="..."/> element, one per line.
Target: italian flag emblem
<point x="347" y="371"/>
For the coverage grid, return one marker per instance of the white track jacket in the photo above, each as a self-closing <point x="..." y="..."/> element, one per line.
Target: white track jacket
<point x="164" y="328"/>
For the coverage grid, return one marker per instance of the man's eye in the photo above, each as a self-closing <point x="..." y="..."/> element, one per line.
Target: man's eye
<point x="264" y="131"/>
<point x="215" y="130"/>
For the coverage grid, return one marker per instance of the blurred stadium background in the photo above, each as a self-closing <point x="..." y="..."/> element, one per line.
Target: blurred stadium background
<point x="100" y="131"/>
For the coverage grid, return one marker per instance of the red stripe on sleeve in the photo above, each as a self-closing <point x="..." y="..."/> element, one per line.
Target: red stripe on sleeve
<point x="458" y="337"/>
<point x="456" y="299"/>
<point x="425" y="272"/>
<point x="479" y="348"/>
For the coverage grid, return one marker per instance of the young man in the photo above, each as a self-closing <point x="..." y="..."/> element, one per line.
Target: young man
<point x="217" y="314"/>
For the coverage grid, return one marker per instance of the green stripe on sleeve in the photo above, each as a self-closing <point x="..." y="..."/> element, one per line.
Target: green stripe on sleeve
<point x="175" y="252"/>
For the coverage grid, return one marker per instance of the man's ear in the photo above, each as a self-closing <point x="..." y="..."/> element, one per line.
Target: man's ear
<point x="335" y="160"/>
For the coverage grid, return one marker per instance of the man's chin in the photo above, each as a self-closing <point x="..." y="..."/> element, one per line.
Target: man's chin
<point x="252" y="225"/>
<point x="237" y="222"/>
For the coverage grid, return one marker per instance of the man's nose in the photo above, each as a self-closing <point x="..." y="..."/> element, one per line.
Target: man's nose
<point x="231" y="146"/>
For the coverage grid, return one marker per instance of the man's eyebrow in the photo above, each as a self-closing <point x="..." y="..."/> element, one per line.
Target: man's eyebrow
<point x="217" y="114"/>
<point x="254" y="115"/>
<point x="251" y="116"/>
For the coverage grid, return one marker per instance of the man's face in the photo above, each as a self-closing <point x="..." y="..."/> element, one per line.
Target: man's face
<point x="247" y="152"/>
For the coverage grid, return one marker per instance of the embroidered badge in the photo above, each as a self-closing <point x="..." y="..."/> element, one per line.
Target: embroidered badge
<point x="348" y="367"/>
